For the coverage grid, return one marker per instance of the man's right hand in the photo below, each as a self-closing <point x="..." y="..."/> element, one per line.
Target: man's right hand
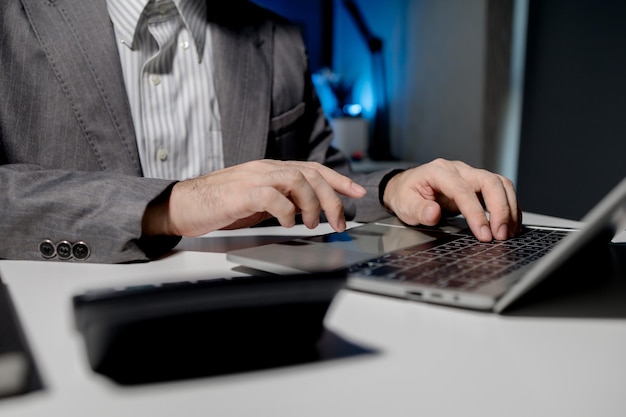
<point x="246" y="194"/>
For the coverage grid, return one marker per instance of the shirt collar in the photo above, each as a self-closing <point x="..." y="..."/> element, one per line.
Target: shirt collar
<point x="126" y="14"/>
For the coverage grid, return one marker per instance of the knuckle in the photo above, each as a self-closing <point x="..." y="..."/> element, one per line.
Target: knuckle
<point x="440" y="163"/>
<point x="334" y="204"/>
<point x="292" y="176"/>
<point x="492" y="180"/>
<point x="263" y="195"/>
<point x="507" y="182"/>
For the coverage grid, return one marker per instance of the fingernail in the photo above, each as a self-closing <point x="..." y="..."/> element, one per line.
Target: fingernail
<point x="485" y="232"/>
<point x="430" y="214"/>
<point x="503" y="232"/>
<point x="358" y="188"/>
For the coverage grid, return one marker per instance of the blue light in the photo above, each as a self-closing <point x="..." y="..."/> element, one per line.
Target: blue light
<point x="353" y="110"/>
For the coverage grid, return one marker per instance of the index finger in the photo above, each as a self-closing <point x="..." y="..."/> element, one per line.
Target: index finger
<point x="339" y="183"/>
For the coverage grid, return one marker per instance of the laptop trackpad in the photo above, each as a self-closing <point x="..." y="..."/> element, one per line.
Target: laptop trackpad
<point x="332" y="251"/>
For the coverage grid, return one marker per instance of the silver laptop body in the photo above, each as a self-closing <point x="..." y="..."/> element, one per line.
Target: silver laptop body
<point x="445" y="265"/>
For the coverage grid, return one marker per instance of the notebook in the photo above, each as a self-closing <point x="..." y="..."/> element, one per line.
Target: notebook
<point x="444" y="264"/>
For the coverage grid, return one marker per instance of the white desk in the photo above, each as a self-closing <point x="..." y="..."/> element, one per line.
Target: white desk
<point x="427" y="360"/>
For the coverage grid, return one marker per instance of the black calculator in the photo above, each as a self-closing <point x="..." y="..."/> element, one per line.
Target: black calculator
<point x="174" y="330"/>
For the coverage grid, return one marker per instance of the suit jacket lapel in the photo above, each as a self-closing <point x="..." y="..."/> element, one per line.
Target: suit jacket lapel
<point x="79" y="42"/>
<point x="243" y="66"/>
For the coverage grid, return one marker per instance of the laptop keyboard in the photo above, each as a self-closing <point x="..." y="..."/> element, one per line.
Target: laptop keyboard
<point x="461" y="261"/>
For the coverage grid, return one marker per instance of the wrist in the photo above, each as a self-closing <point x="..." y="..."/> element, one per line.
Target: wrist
<point x="384" y="183"/>
<point x="156" y="217"/>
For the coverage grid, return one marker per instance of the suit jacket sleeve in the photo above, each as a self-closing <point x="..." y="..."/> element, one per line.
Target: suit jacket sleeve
<point x="100" y="209"/>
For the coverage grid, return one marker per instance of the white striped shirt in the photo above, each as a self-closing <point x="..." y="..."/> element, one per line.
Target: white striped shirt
<point x="170" y="87"/>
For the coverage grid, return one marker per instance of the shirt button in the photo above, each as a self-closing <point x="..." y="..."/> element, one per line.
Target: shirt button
<point x="162" y="8"/>
<point x="155" y="79"/>
<point x="184" y="44"/>
<point x="162" y="154"/>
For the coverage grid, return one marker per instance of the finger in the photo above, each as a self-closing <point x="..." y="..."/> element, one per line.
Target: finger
<point x="248" y="221"/>
<point x="463" y="196"/>
<point x="418" y="210"/>
<point x="245" y="202"/>
<point x="295" y="185"/>
<point x="497" y="194"/>
<point x="339" y="183"/>
<point x="501" y="202"/>
<point x="516" y="221"/>
<point x="325" y="181"/>
<point x="311" y="194"/>
<point x="269" y="199"/>
<point x="471" y="208"/>
<point x="497" y="204"/>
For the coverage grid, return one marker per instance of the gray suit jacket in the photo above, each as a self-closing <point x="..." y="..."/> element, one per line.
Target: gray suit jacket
<point x="69" y="166"/>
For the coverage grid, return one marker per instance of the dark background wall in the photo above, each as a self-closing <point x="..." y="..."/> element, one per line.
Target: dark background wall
<point x="315" y="18"/>
<point x="573" y="132"/>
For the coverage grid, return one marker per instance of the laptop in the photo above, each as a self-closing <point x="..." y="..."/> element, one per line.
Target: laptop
<point x="443" y="264"/>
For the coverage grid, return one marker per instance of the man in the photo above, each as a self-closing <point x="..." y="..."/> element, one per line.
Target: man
<point x="100" y="126"/>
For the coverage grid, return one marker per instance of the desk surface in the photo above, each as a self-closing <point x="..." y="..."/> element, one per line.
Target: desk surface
<point x="413" y="358"/>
